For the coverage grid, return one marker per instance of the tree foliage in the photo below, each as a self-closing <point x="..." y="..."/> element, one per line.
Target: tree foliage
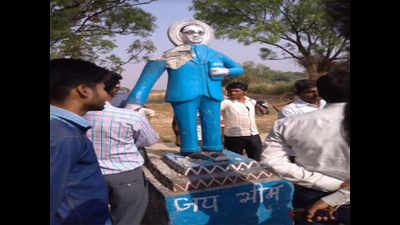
<point x="85" y="29"/>
<point x="295" y="29"/>
<point x="339" y="15"/>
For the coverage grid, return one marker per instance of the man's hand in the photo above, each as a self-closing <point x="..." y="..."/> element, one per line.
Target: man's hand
<point x="219" y="71"/>
<point x="320" y="205"/>
<point x="345" y="184"/>
<point x="133" y="106"/>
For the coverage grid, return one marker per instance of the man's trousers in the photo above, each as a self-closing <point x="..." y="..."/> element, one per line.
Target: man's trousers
<point x="129" y="197"/>
<point x="252" y="145"/>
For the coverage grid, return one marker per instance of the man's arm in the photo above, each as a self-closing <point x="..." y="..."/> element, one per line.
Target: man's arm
<point x="224" y="104"/>
<point x="285" y="112"/>
<point x="340" y="197"/>
<point x="62" y="155"/>
<point x="275" y="155"/>
<point x="146" y="134"/>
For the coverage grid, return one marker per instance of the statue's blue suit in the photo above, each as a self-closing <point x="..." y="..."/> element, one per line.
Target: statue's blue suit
<point x="191" y="88"/>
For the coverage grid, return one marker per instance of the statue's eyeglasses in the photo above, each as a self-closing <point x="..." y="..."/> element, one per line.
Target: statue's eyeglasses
<point x="191" y="32"/>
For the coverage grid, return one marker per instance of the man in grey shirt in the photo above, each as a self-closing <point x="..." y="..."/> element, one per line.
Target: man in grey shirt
<point x="322" y="155"/>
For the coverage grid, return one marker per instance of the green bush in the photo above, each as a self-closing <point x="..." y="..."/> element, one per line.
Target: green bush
<point x="275" y="88"/>
<point x="283" y="87"/>
<point x="260" y="88"/>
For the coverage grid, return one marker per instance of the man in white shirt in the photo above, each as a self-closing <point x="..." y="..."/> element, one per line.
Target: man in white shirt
<point x="240" y="130"/>
<point x="322" y="155"/>
<point x="336" y="204"/>
<point x="308" y="100"/>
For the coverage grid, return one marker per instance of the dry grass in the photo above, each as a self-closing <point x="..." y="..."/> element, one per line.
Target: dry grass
<point x="164" y="115"/>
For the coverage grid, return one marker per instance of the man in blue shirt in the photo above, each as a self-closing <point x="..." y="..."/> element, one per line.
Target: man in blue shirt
<point x="78" y="192"/>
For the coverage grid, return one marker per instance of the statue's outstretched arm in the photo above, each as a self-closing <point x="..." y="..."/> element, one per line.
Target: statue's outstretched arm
<point x="150" y="74"/>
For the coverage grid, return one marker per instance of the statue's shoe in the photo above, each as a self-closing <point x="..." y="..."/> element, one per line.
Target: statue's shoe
<point x="217" y="156"/>
<point x="196" y="155"/>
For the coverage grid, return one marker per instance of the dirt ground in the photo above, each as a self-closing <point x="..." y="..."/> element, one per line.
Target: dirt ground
<point x="164" y="114"/>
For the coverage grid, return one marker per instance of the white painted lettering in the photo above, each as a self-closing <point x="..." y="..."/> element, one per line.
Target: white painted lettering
<point x="186" y="204"/>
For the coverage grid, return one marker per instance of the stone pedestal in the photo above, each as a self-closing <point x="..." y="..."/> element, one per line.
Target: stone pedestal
<point x="184" y="191"/>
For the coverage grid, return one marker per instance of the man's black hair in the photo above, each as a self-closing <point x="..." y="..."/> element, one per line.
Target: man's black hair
<point x="335" y="86"/>
<point x="112" y="82"/>
<point x="239" y="85"/>
<point x="304" y="84"/>
<point x="66" y="74"/>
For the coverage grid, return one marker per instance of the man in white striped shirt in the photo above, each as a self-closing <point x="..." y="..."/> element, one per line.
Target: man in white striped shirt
<point x="117" y="134"/>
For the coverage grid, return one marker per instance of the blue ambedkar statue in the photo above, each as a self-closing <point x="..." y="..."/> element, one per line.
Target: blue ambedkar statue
<point x="195" y="72"/>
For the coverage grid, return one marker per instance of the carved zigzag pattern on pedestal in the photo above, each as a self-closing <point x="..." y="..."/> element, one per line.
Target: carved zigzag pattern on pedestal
<point x="211" y="183"/>
<point x="243" y="165"/>
<point x="222" y="169"/>
<point x="262" y="174"/>
<point x="215" y="182"/>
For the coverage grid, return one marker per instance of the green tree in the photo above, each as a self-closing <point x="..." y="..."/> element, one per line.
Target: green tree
<point x="339" y="15"/>
<point x="259" y="75"/>
<point x="290" y="29"/>
<point x="85" y="29"/>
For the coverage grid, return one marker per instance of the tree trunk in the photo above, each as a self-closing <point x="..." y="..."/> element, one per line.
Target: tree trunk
<point x="313" y="73"/>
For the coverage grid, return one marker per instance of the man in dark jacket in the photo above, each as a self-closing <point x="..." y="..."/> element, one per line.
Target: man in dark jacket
<point x="78" y="192"/>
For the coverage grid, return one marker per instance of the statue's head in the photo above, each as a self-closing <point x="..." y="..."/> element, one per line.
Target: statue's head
<point x="190" y="32"/>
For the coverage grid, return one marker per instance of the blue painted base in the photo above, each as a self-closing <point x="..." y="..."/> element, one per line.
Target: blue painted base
<point x="260" y="203"/>
<point x="265" y="202"/>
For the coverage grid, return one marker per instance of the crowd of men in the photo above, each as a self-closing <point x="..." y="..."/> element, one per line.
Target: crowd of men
<point x="309" y="144"/>
<point x="96" y="164"/>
